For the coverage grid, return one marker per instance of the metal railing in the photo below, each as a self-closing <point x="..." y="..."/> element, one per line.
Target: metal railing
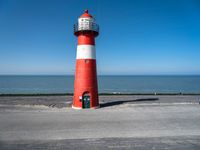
<point x="90" y="26"/>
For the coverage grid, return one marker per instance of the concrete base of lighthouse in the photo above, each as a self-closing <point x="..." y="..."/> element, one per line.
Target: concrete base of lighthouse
<point x="78" y="108"/>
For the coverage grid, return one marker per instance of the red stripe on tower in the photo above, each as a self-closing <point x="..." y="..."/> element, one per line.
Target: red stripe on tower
<point x="85" y="83"/>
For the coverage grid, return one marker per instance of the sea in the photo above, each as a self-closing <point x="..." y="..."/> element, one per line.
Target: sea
<point x="136" y="84"/>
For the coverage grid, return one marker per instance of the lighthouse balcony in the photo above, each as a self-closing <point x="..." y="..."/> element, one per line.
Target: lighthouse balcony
<point x="86" y="27"/>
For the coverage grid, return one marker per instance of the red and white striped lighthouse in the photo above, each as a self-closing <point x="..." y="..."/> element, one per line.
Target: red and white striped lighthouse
<point x="85" y="83"/>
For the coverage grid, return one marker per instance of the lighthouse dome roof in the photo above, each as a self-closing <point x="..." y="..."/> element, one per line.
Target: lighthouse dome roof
<point x="86" y="15"/>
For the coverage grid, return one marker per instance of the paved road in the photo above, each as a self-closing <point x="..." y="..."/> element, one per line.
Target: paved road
<point x="153" y="143"/>
<point x="122" y="126"/>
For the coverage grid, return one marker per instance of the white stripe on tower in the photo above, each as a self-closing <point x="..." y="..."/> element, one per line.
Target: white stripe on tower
<point x="86" y="52"/>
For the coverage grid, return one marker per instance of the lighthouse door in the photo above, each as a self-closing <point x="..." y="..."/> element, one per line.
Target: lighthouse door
<point x="86" y="101"/>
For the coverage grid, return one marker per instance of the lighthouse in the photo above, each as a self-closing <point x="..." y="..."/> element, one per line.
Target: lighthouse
<point x="85" y="82"/>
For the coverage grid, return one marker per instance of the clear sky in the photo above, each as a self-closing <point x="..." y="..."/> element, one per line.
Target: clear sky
<point x="136" y="36"/>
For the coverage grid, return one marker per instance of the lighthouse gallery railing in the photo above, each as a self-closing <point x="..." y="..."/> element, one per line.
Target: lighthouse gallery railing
<point x="86" y="27"/>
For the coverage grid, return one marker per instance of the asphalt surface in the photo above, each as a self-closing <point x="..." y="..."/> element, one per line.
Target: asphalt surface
<point x="153" y="143"/>
<point x="124" y="122"/>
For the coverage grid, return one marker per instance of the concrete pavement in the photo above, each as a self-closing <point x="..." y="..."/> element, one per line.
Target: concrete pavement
<point x="141" y="125"/>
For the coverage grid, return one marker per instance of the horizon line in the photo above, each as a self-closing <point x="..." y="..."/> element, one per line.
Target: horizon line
<point x="101" y="75"/>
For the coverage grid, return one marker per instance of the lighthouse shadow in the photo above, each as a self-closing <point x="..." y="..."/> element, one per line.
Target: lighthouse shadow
<point x="120" y="102"/>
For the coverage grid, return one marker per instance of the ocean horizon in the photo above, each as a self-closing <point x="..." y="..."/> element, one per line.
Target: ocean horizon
<point x="135" y="84"/>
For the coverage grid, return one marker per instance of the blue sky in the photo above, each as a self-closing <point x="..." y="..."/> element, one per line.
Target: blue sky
<point x="136" y="36"/>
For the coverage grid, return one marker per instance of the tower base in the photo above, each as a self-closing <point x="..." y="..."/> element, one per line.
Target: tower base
<point x="78" y="108"/>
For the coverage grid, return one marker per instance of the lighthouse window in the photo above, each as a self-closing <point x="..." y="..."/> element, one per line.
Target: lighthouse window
<point x="86" y="61"/>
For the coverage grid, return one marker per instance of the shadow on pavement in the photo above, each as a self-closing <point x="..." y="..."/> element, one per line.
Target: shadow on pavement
<point x="114" y="103"/>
